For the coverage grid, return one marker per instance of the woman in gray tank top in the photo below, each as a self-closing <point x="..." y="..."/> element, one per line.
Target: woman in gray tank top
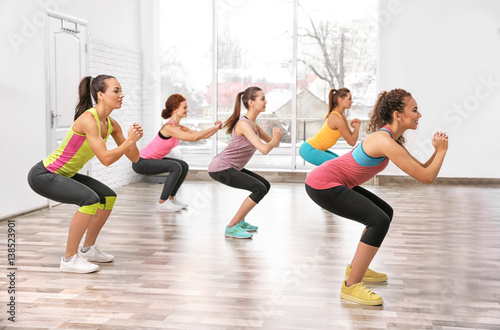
<point x="228" y="166"/>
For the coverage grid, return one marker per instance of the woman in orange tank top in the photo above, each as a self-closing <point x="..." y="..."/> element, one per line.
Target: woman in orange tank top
<point x="315" y="150"/>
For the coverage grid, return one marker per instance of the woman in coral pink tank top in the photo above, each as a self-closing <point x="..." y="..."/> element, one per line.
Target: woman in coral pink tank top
<point x="153" y="158"/>
<point x="335" y="185"/>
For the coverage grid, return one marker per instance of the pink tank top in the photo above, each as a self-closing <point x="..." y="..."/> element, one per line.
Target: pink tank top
<point x="160" y="146"/>
<point x="350" y="169"/>
<point x="237" y="154"/>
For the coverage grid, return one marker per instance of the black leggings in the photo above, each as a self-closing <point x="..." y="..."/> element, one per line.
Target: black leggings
<point x="243" y="179"/>
<point x="177" y="168"/>
<point x="80" y="189"/>
<point x="357" y="204"/>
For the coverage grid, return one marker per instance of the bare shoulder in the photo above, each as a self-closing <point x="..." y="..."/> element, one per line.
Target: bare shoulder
<point x="335" y="120"/>
<point x="114" y="124"/>
<point x="84" y="123"/>
<point x="243" y="127"/>
<point x="167" y="126"/>
<point x="378" y="144"/>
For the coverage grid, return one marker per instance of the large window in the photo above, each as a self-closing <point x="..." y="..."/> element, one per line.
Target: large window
<point x="337" y="47"/>
<point x="186" y="68"/>
<point x="296" y="51"/>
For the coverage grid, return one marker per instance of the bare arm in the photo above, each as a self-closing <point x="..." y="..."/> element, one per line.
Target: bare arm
<point x="335" y="122"/>
<point x="426" y="163"/>
<point x="189" y="135"/>
<point x="263" y="135"/>
<point x="132" y="152"/>
<point x="383" y="145"/>
<point x="244" y="128"/>
<point x="87" y="124"/>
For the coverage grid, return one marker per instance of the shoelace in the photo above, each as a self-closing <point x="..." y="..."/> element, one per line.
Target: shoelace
<point x="364" y="289"/>
<point x="80" y="260"/>
<point x="99" y="252"/>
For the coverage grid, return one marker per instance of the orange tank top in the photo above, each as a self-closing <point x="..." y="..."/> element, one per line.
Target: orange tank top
<point x="326" y="137"/>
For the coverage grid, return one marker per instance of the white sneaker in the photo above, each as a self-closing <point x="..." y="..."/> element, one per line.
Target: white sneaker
<point x="96" y="255"/>
<point x="168" y="206"/>
<point x="77" y="265"/>
<point x="176" y="202"/>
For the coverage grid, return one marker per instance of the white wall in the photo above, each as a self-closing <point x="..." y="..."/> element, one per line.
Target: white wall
<point x="113" y="24"/>
<point x="446" y="53"/>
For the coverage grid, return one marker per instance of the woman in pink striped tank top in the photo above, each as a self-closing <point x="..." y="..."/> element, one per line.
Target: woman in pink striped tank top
<point x="228" y="166"/>
<point x="335" y="185"/>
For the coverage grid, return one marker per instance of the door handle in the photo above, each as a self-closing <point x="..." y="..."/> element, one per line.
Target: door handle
<point x="53" y="116"/>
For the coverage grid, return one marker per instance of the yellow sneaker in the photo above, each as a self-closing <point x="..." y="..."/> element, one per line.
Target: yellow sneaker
<point x="370" y="275"/>
<point x="361" y="294"/>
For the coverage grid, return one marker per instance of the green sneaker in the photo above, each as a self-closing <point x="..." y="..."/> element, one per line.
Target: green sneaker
<point x="236" y="232"/>
<point x="247" y="227"/>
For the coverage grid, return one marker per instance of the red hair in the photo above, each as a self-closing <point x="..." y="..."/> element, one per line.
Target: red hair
<point x="173" y="102"/>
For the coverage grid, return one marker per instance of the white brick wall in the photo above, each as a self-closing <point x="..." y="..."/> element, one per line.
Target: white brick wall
<point x="126" y="65"/>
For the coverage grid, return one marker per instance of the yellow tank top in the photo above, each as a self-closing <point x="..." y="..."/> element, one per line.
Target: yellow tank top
<point x="74" y="151"/>
<point x="326" y="137"/>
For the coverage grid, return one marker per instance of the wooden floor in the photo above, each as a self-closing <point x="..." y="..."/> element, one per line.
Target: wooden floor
<point x="177" y="271"/>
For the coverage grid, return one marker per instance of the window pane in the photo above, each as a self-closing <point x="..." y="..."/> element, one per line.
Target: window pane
<point x="186" y="68"/>
<point x="255" y="48"/>
<point x="337" y="47"/>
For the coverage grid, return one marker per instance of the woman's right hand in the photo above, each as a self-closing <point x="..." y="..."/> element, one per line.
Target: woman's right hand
<point x="135" y="132"/>
<point x="440" y="141"/>
<point x="218" y="124"/>
<point x="277" y="133"/>
<point x="355" y="123"/>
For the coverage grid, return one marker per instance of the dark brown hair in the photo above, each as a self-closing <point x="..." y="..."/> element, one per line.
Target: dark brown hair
<point x="172" y="103"/>
<point x="387" y="103"/>
<point x="333" y="98"/>
<point x="249" y="94"/>
<point x="87" y="90"/>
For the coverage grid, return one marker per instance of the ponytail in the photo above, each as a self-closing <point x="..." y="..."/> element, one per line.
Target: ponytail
<point x="88" y="89"/>
<point x="333" y="98"/>
<point x="386" y="104"/>
<point x="245" y="96"/>
<point x="85" y="101"/>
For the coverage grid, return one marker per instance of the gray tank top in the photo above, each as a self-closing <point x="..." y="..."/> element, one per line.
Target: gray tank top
<point x="237" y="154"/>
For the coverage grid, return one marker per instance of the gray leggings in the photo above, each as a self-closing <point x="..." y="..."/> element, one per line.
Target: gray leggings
<point x="79" y="189"/>
<point x="177" y="168"/>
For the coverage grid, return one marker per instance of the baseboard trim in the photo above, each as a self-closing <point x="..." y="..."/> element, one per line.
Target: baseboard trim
<point x="391" y="180"/>
<point x="380" y="180"/>
<point x="16" y="215"/>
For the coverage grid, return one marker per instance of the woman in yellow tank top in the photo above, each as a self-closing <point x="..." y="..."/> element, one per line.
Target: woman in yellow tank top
<point x="57" y="177"/>
<point x="315" y="150"/>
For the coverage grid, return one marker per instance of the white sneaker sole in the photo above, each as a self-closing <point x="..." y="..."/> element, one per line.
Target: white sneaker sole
<point x="232" y="236"/>
<point x="78" y="271"/>
<point x="97" y="260"/>
<point x="168" y="211"/>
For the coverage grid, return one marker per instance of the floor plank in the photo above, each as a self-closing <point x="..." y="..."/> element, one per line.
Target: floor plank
<point x="177" y="271"/>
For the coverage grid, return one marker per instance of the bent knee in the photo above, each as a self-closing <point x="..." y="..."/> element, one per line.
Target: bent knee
<point x="383" y="223"/>
<point x="184" y="165"/>
<point x="263" y="189"/>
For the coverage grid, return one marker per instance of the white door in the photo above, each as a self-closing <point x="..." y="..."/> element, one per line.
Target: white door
<point x="67" y="64"/>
